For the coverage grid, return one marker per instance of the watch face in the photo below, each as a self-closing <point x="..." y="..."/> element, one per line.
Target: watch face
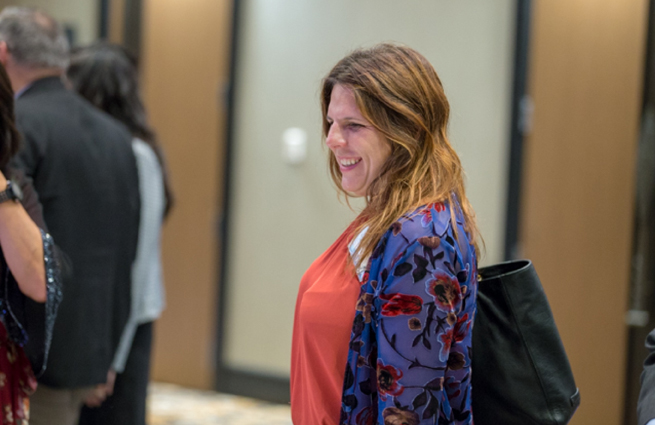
<point x="15" y="189"/>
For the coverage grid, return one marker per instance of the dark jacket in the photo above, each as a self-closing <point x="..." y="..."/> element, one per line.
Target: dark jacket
<point x="84" y="171"/>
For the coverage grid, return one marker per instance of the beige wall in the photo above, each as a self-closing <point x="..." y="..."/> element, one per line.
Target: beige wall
<point x="285" y="216"/>
<point x="81" y="15"/>
<point x="185" y="48"/>
<point x="586" y="81"/>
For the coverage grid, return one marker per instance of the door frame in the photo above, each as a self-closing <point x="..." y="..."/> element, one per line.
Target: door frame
<point x="520" y="123"/>
<point x="131" y="31"/>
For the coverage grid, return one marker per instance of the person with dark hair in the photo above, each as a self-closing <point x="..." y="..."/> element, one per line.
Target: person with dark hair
<point x="106" y="75"/>
<point x="85" y="173"/>
<point x="383" y="320"/>
<point x="31" y="288"/>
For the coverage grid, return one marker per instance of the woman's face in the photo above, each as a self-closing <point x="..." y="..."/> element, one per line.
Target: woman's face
<point x="359" y="148"/>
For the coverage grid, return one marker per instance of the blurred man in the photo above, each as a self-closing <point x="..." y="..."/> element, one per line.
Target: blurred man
<point x="646" y="406"/>
<point x="85" y="173"/>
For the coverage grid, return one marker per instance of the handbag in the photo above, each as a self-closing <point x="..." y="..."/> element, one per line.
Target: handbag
<point x="521" y="374"/>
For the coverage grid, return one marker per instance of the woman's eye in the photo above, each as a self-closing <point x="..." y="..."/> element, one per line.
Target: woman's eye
<point x="355" y="126"/>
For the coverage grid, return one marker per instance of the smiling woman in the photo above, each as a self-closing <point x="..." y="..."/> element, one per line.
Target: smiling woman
<point x="383" y="319"/>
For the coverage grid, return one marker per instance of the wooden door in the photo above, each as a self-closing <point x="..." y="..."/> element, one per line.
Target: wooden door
<point x="585" y="78"/>
<point x="185" y="70"/>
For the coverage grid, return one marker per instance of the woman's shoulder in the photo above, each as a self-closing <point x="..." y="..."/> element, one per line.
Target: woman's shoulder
<point x="145" y="155"/>
<point x="427" y="225"/>
<point x="141" y="148"/>
<point x="429" y="220"/>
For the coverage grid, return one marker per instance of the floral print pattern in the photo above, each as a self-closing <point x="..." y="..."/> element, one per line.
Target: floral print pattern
<point x="388" y="377"/>
<point x="17" y="380"/>
<point x="409" y="361"/>
<point x="400" y="304"/>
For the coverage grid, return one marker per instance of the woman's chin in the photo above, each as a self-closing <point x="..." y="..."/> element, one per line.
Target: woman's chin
<point x="354" y="191"/>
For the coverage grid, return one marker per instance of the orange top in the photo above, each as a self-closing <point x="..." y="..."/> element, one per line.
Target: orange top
<point x="325" y="311"/>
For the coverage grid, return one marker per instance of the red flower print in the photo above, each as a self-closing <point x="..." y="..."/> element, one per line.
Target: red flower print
<point x="453" y="335"/>
<point x="445" y="290"/>
<point x="388" y="377"/>
<point x="426" y="213"/>
<point x="426" y="217"/>
<point x="401" y="304"/>
<point x="365" y="417"/>
<point x="446" y="340"/>
<point x="462" y="327"/>
<point x="437" y="206"/>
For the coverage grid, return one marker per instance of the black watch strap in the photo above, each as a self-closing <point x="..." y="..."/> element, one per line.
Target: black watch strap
<point x="9" y="194"/>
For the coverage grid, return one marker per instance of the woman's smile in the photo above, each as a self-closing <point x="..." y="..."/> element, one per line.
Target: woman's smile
<point x="346" y="164"/>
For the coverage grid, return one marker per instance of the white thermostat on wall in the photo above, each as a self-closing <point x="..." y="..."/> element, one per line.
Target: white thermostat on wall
<point x="294" y="145"/>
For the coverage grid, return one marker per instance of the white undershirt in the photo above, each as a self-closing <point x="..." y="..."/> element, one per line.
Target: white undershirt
<point x="352" y="247"/>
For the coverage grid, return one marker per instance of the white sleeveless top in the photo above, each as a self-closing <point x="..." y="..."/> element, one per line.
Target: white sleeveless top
<point x="147" y="281"/>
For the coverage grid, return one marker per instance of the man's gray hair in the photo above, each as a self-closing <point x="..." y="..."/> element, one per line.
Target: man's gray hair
<point x="33" y="38"/>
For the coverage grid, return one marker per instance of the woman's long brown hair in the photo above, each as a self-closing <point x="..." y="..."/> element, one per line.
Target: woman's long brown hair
<point x="399" y="93"/>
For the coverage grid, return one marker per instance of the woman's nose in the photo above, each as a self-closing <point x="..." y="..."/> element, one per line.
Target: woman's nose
<point x="334" y="138"/>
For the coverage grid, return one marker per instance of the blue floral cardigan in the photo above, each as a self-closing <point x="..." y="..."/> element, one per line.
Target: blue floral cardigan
<point x="409" y="360"/>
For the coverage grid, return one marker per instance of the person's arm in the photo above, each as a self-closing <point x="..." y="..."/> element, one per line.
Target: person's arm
<point x="424" y="337"/>
<point x="98" y="394"/>
<point x="22" y="246"/>
<point x="423" y="305"/>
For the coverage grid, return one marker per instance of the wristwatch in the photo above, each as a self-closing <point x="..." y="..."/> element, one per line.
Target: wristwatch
<point x="11" y="193"/>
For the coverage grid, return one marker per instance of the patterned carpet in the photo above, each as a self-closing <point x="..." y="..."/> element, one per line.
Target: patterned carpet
<point x="173" y="405"/>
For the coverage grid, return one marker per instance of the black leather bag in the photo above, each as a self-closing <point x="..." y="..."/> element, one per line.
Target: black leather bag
<point x="521" y="374"/>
